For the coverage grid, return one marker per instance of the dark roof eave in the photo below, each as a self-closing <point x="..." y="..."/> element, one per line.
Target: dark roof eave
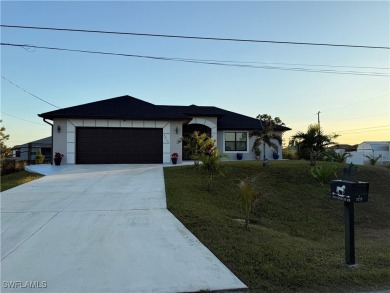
<point x="203" y="115"/>
<point x="51" y="117"/>
<point x="282" y="128"/>
<point x="237" y="128"/>
<point x="248" y="128"/>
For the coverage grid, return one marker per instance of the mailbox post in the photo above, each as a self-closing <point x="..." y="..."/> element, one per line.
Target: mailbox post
<point x="349" y="192"/>
<point x="349" y="220"/>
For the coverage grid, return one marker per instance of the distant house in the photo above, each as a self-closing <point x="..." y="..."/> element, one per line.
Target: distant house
<point x="344" y="148"/>
<point x="127" y="130"/>
<point x="29" y="150"/>
<point x="371" y="149"/>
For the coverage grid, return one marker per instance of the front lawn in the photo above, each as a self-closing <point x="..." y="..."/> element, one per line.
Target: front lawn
<point x="296" y="239"/>
<point x="14" y="179"/>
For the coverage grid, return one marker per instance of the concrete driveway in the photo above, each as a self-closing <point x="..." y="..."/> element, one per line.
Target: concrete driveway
<point x="102" y="228"/>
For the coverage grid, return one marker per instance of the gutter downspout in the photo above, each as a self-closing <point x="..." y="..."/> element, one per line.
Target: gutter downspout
<point x="52" y="149"/>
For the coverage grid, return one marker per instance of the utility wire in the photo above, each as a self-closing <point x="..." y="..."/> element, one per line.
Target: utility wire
<point x="374" y="127"/>
<point x="355" y="103"/>
<point x="315" y="65"/>
<point x="194" y="37"/>
<point x="21" y="118"/>
<point x="364" y="131"/>
<point x="360" y="117"/>
<point x="296" y="64"/>
<point x="198" y="61"/>
<point x="14" y="84"/>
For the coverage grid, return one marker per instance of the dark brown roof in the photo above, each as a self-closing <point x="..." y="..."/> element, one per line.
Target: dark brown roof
<point x="124" y="107"/>
<point x="226" y="119"/>
<point x="36" y="143"/>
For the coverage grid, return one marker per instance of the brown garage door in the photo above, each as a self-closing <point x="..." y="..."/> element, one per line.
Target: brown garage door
<point x="103" y="145"/>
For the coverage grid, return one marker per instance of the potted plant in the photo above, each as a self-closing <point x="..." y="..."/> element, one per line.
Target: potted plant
<point x="174" y="157"/>
<point x="58" y="158"/>
<point x="275" y="154"/>
<point x="257" y="153"/>
<point x="239" y="156"/>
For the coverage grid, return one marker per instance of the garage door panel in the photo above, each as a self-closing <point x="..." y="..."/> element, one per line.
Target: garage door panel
<point x="98" y="145"/>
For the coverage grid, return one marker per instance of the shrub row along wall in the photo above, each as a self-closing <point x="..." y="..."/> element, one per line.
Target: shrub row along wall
<point x="11" y="166"/>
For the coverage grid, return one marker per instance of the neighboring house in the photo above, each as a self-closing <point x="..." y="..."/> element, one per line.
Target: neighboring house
<point x="372" y="149"/>
<point x="128" y="130"/>
<point x="344" y="148"/>
<point x="29" y="150"/>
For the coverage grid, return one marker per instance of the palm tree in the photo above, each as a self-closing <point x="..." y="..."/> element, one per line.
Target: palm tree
<point x="266" y="135"/>
<point x="314" y="141"/>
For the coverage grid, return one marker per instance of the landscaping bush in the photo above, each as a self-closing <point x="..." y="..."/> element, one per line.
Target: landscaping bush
<point x="39" y="158"/>
<point x="289" y="153"/>
<point x="12" y="165"/>
<point x="323" y="173"/>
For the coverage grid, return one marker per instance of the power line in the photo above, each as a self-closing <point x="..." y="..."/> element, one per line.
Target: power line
<point x="14" y="84"/>
<point x="194" y="37"/>
<point x="368" y="116"/>
<point x="21" y="118"/>
<point x="199" y="61"/>
<point x="364" y="131"/>
<point x="297" y="64"/>
<point x="317" y="65"/>
<point x="365" y="128"/>
<point x="356" y="103"/>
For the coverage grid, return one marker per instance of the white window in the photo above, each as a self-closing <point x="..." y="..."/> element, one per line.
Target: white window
<point x="236" y="141"/>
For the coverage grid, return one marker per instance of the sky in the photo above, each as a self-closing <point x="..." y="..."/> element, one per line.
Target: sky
<point x="354" y="106"/>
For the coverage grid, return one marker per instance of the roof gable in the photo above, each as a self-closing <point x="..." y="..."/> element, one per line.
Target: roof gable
<point x="226" y="119"/>
<point x="123" y="107"/>
<point x="40" y="142"/>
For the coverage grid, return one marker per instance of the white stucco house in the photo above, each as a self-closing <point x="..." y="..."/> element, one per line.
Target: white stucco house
<point x="372" y="149"/>
<point x="128" y="130"/>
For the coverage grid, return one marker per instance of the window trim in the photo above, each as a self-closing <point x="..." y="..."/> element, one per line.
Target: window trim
<point x="235" y="152"/>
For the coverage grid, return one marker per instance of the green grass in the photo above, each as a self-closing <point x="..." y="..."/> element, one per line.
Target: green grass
<point x="296" y="237"/>
<point x="14" y="179"/>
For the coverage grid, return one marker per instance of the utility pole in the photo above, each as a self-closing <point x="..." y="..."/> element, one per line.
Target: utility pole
<point x="318" y="118"/>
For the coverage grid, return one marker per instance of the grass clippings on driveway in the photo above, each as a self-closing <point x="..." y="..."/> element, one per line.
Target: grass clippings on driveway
<point x="14" y="179"/>
<point x="296" y="239"/>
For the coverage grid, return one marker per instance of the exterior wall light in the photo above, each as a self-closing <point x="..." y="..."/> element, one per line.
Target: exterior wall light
<point x="177" y="130"/>
<point x="58" y="128"/>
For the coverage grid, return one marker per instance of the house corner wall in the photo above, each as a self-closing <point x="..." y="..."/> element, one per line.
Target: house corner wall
<point x="175" y="147"/>
<point x="59" y="138"/>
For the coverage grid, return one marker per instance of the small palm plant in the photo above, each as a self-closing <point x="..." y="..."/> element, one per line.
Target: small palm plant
<point x="248" y="197"/>
<point x="373" y="160"/>
<point x="334" y="156"/>
<point x="211" y="165"/>
<point x="323" y="173"/>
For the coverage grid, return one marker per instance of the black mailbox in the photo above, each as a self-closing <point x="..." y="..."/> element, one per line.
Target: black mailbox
<point x="349" y="191"/>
